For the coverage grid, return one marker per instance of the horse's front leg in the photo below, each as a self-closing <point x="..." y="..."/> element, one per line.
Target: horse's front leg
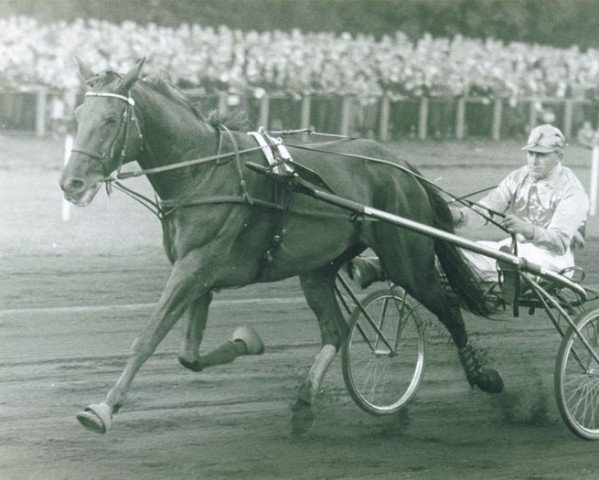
<point x="244" y="341"/>
<point x="183" y="284"/>
<point x="193" y="331"/>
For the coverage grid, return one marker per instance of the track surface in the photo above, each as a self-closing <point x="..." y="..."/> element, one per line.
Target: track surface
<point x="75" y="294"/>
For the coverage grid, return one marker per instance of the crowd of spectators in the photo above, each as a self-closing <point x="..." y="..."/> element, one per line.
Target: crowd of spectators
<point x="294" y="63"/>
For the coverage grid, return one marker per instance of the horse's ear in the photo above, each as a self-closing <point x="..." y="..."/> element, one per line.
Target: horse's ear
<point x="131" y="77"/>
<point x="84" y="70"/>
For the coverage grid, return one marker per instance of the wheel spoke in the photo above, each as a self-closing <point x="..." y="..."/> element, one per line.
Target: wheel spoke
<point x="580" y="398"/>
<point x="381" y="323"/>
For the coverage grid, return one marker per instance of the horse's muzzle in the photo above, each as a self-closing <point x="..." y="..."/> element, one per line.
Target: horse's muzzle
<point x="78" y="192"/>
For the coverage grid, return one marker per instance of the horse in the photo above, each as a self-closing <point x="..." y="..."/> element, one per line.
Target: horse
<point x="229" y="226"/>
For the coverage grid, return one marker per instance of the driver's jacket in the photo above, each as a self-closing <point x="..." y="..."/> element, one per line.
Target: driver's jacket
<point x="556" y="205"/>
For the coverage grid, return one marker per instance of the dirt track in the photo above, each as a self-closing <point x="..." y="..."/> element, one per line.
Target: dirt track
<point x="74" y="295"/>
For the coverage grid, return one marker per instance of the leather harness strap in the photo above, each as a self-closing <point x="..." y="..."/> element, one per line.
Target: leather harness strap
<point x="276" y="155"/>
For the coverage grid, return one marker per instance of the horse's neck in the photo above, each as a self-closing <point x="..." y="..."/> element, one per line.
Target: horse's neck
<point x="172" y="134"/>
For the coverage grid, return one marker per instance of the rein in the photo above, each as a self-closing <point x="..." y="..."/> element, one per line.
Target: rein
<point x="218" y="156"/>
<point x="186" y="163"/>
<point x="467" y="203"/>
<point x="156" y="207"/>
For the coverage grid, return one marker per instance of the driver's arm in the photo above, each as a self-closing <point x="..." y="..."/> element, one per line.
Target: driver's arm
<point x="569" y="215"/>
<point x="497" y="200"/>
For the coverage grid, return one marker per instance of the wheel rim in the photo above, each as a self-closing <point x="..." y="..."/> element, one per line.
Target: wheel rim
<point x="579" y="379"/>
<point x="384" y="372"/>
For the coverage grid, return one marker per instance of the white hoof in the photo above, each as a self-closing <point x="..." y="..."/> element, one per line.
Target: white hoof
<point x="253" y="342"/>
<point x="96" y="418"/>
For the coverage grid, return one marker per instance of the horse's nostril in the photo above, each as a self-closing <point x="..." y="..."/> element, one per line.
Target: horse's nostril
<point x="74" y="185"/>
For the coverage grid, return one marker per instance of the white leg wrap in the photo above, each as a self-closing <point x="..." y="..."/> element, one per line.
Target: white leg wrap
<point x="311" y="384"/>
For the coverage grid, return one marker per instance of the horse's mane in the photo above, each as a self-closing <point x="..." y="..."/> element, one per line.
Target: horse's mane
<point x="234" y="119"/>
<point x="161" y="82"/>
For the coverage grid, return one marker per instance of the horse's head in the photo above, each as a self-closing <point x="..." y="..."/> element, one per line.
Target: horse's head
<point x="108" y="133"/>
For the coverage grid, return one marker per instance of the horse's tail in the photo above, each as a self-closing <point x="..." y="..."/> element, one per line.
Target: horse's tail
<point x="462" y="277"/>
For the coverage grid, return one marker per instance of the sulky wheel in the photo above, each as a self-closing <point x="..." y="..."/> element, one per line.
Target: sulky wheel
<point x="384" y="352"/>
<point x="577" y="377"/>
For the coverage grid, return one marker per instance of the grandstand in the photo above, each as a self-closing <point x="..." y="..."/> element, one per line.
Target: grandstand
<point x="386" y="87"/>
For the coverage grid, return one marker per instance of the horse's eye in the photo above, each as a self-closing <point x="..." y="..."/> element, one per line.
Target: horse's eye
<point x="112" y="120"/>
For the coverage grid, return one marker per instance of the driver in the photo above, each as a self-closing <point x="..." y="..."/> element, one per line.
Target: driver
<point x="544" y="205"/>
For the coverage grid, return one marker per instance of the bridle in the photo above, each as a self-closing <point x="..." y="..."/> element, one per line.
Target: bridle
<point x="127" y="117"/>
<point x="106" y="158"/>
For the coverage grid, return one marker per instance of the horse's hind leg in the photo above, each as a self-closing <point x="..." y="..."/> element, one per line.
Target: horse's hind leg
<point x="411" y="265"/>
<point x="244" y="341"/>
<point x="319" y="289"/>
<point x="446" y="307"/>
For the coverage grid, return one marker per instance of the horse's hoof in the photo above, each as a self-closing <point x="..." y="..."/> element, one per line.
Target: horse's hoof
<point x="195" y="366"/>
<point x="96" y="418"/>
<point x="302" y="418"/>
<point x="307" y="394"/>
<point x="488" y="380"/>
<point x="251" y="339"/>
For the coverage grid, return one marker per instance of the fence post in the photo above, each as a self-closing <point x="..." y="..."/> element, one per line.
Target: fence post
<point x="568" y="108"/>
<point x="40" y="112"/>
<point x="532" y="115"/>
<point x="460" y="119"/>
<point x="384" y="124"/>
<point x="70" y="98"/>
<point x="497" y="114"/>
<point x="346" y="111"/>
<point x="222" y="103"/>
<point x="264" y="111"/>
<point x="423" y="118"/>
<point x="68" y="146"/>
<point x="594" y="180"/>
<point x="305" y="113"/>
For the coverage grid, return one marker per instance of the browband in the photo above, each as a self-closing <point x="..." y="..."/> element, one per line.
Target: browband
<point x="129" y="100"/>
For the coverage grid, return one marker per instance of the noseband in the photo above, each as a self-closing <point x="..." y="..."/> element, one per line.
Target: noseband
<point x="127" y="117"/>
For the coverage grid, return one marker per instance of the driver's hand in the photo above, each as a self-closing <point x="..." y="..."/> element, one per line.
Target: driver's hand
<point x="516" y="224"/>
<point x="457" y="216"/>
